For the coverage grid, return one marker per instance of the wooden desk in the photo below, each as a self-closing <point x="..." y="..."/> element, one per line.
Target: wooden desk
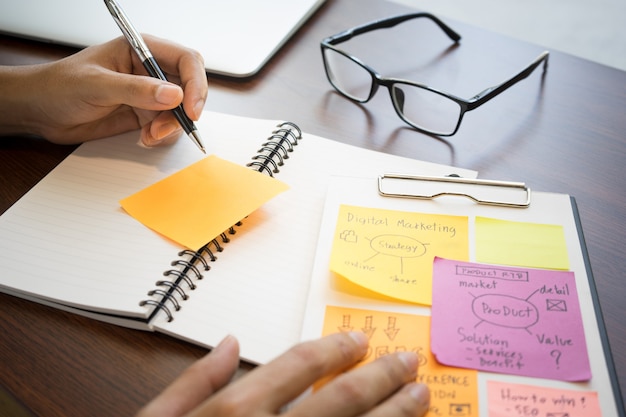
<point x="565" y="135"/>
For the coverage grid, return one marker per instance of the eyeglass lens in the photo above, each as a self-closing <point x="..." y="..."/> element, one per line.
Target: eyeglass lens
<point x="347" y="76"/>
<point x="418" y="106"/>
<point x="425" y="109"/>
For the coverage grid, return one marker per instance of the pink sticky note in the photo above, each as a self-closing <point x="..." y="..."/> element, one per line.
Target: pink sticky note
<point x="508" y="320"/>
<point x="506" y="400"/>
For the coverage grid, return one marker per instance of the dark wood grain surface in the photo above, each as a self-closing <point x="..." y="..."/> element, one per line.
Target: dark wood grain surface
<point x="564" y="132"/>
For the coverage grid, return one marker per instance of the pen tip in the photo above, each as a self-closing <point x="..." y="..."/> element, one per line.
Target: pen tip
<point x="195" y="136"/>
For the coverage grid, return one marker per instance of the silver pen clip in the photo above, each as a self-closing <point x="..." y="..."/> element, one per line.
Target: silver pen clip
<point x="129" y="31"/>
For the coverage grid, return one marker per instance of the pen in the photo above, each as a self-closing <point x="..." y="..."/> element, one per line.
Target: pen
<point x="148" y="61"/>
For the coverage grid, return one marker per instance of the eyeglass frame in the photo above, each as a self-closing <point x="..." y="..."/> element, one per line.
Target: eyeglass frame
<point x="378" y="80"/>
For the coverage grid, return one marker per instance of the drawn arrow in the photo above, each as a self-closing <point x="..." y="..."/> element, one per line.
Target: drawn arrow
<point x="368" y="329"/>
<point x="391" y="330"/>
<point x="345" y="326"/>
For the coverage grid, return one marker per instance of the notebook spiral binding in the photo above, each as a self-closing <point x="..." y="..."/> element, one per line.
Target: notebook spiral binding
<point x="169" y="293"/>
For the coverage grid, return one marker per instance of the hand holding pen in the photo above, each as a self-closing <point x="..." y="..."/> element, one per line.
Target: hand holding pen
<point x="102" y="91"/>
<point x="151" y="65"/>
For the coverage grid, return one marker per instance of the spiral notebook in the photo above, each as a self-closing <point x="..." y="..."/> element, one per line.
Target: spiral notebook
<point x="68" y="244"/>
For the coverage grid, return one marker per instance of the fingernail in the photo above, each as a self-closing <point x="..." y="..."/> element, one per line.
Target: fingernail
<point x="421" y="393"/>
<point x="142" y="143"/>
<point x="166" y="130"/>
<point x="198" y="108"/>
<point x="167" y="94"/>
<point x="224" y="343"/>
<point x="410" y="361"/>
<point x="359" y="338"/>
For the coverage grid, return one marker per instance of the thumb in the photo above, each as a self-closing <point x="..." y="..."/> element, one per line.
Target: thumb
<point x="197" y="383"/>
<point x="141" y="92"/>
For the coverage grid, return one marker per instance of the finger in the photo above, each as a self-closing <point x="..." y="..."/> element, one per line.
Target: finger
<point x="413" y="400"/>
<point x="355" y="392"/>
<point x="270" y="387"/>
<point x="188" y="66"/>
<point x="197" y="382"/>
<point x="163" y="129"/>
<point x="138" y="91"/>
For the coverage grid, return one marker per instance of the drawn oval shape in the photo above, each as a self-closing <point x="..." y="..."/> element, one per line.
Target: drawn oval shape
<point x="505" y="311"/>
<point x="398" y="246"/>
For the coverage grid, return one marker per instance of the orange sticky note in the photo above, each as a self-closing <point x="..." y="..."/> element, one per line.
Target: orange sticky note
<point x="454" y="391"/>
<point x="507" y="400"/>
<point x="199" y="202"/>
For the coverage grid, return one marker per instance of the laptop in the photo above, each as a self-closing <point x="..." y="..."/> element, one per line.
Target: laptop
<point x="235" y="37"/>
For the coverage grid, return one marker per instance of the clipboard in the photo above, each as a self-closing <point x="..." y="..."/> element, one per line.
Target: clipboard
<point x="511" y="201"/>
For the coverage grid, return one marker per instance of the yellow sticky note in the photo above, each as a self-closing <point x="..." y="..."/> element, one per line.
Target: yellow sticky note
<point x="506" y="400"/>
<point x="199" y="202"/>
<point x="532" y="245"/>
<point x="391" y="252"/>
<point x="453" y="391"/>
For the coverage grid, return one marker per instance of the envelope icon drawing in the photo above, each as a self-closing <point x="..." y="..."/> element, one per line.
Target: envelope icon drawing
<point x="556" y="305"/>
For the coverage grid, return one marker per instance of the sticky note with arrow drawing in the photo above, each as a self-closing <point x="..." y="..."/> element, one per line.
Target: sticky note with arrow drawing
<point x="454" y="391"/>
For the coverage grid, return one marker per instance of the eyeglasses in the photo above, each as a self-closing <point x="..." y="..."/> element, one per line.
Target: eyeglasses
<point x="426" y="109"/>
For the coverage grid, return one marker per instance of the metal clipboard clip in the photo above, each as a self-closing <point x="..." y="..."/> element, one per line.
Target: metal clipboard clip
<point x="488" y="192"/>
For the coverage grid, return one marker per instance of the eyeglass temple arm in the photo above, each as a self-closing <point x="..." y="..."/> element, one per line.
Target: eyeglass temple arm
<point x="387" y="23"/>
<point x="489" y="93"/>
